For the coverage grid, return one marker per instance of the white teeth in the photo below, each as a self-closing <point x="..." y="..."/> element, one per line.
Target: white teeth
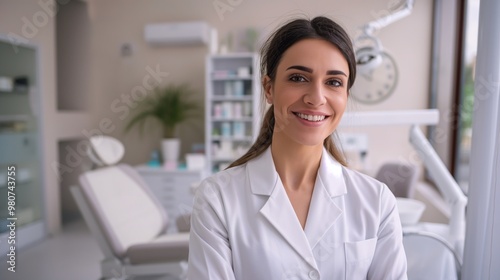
<point x="311" y="118"/>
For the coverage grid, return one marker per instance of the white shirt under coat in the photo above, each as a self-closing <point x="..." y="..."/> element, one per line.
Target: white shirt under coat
<point x="243" y="227"/>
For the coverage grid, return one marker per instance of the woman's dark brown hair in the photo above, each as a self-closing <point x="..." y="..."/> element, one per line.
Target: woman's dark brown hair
<point x="271" y="53"/>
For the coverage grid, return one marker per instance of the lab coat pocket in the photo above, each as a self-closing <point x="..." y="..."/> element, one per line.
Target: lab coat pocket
<point x="358" y="257"/>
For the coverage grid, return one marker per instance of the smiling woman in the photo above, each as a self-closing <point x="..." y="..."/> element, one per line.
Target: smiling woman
<point x="290" y="208"/>
<point x="309" y="94"/>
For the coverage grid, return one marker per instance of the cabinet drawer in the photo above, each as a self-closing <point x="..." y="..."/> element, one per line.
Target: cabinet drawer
<point x="170" y="209"/>
<point x="158" y="180"/>
<point x="161" y="190"/>
<point x="160" y="183"/>
<point x="166" y="199"/>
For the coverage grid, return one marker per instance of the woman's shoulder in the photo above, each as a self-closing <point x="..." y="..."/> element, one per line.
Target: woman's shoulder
<point x="223" y="180"/>
<point x="368" y="194"/>
<point x="227" y="176"/>
<point x="364" y="184"/>
<point x="359" y="176"/>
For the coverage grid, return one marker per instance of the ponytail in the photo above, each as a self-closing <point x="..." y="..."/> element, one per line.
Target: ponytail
<point x="263" y="140"/>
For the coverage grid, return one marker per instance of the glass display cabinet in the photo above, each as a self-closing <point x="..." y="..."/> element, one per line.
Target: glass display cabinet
<point x="20" y="147"/>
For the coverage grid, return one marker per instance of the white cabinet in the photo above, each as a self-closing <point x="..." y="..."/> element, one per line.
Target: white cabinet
<point x="232" y="111"/>
<point x="174" y="190"/>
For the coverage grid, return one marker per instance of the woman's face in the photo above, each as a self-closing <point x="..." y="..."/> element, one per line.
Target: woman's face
<point x="309" y="92"/>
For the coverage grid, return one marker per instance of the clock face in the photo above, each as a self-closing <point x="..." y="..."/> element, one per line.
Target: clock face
<point x="375" y="85"/>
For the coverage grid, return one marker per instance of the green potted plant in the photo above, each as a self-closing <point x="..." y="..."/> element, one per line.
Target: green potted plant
<point x="168" y="106"/>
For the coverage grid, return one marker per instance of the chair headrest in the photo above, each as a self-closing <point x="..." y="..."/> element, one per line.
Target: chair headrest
<point x="105" y="150"/>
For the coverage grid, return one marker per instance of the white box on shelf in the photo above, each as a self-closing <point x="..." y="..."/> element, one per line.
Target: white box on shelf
<point x="244" y="72"/>
<point x="6" y="83"/>
<point x="195" y="161"/>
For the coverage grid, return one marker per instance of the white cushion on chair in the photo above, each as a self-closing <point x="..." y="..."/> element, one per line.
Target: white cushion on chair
<point x="125" y="210"/>
<point x="165" y="248"/>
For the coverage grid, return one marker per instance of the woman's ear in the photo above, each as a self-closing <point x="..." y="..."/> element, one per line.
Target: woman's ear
<point x="267" y="86"/>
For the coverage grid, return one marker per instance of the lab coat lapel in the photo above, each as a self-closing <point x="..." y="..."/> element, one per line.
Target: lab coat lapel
<point x="278" y="210"/>
<point x="323" y="213"/>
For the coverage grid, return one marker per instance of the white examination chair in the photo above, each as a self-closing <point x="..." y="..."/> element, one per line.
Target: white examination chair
<point x="126" y="219"/>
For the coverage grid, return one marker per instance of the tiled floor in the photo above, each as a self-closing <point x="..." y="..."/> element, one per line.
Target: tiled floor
<point x="71" y="255"/>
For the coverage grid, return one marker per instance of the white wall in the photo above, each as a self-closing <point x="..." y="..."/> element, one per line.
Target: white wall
<point x="73" y="56"/>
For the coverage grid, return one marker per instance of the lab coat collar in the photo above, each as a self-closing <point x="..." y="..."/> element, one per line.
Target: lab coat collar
<point x="261" y="171"/>
<point x="279" y="212"/>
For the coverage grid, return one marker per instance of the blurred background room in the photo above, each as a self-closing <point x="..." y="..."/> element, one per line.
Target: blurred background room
<point x="175" y="85"/>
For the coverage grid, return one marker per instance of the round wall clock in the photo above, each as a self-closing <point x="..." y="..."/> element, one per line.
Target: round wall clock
<point x="377" y="76"/>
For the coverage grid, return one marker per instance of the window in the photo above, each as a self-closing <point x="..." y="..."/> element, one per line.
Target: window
<point x="466" y="94"/>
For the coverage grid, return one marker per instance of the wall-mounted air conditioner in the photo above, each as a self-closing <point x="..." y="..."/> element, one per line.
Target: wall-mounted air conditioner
<point x="178" y="33"/>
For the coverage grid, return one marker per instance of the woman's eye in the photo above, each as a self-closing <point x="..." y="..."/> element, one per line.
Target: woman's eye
<point x="297" y="78"/>
<point x="334" y="83"/>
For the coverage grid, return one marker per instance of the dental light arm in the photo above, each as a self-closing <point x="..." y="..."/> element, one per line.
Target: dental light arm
<point x="369" y="56"/>
<point x="379" y="23"/>
<point x="438" y="171"/>
<point x="446" y="184"/>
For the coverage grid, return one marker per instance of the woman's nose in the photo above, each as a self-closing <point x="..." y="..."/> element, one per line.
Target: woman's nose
<point x="315" y="95"/>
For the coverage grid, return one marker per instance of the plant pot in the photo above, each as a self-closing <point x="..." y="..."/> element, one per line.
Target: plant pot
<point x="170" y="148"/>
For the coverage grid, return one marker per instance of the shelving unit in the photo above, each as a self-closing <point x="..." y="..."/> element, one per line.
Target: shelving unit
<point x="231" y="107"/>
<point x="20" y="146"/>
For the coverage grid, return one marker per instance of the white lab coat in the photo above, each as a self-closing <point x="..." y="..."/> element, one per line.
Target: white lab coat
<point x="243" y="226"/>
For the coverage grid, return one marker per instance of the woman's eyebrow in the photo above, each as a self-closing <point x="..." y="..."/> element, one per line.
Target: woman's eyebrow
<point x="335" y="72"/>
<point x="309" y="70"/>
<point x="300" y="67"/>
